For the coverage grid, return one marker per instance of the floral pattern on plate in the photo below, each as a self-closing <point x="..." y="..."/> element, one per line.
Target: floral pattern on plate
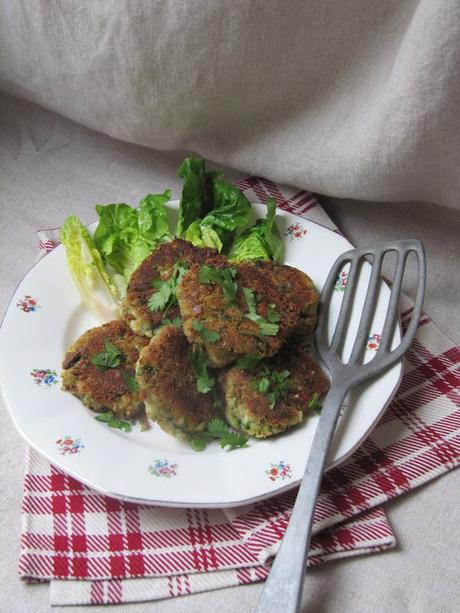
<point x="295" y="231"/>
<point x="163" y="468"/>
<point x="47" y="377"/>
<point x="28" y="304"/>
<point x="279" y="471"/>
<point x="69" y="445"/>
<point x="341" y="281"/>
<point x="373" y="342"/>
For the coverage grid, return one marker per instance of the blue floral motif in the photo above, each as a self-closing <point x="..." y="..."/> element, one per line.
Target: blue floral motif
<point x="46" y="377"/>
<point x="163" y="468"/>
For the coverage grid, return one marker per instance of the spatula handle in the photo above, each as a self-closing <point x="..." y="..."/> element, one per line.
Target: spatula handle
<point x="283" y="588"/>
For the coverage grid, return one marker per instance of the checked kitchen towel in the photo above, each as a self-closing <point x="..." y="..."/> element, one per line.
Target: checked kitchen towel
<point x="97" y="550"/>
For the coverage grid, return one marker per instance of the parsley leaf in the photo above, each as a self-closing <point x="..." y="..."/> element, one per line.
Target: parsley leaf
<point x="266" y="328"/>
<point x="272" y="384"/>
<point x="175" y="323"/>
<point x="209" y="336"/>
<point x="272" y="315"/>
<point x="165" y="295"/>
<point x="313" y="403"/>
<point x="250" y="299"/>
<point x="131" y="383"/>
<point x="199" y="443"/>
<point x="111" y="357"/>
<point x="247" y="362"/>
<point x="224" y="277"/>
<point x="199" y="361"/>
<point x="218" y="430"/>
<point x="113" y="422"/>
<point x="159" y="299"/>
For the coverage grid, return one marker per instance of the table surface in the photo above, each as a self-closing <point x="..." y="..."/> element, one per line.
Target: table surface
<point x="50" y="167"/>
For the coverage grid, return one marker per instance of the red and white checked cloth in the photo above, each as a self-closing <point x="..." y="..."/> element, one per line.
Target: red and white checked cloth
<point x="97" y="550"/>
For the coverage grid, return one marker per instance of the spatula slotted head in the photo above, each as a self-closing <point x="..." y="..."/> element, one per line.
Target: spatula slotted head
<point x="386" y="354"/>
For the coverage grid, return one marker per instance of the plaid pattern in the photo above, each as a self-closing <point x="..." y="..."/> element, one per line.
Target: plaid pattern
<point x="123" y="552"/>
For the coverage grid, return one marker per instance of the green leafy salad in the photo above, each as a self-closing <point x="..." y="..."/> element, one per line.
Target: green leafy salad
<point x="212" y="213"/>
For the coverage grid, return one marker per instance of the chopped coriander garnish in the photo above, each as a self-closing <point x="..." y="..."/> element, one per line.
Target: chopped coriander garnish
<point x="313" y="404"/>
<point x="250" y="299"/>
<point x="131" y="383"/>
<point x="247" y="362"/>
<point x="272" y="315"/>
<point x="199" y="361"/>
<point x="218" y="430"/>
<point x="209" y="336"/>
<point x="220" y="276"/>
<point x="266" y="328"/>
<point x="165" y="295"/>
<point x="199" y="443"/>
<point x="175" y="323"/>
<point x="114" y="422"/>
<point x="159" y="299"/>
<point x="111" y="357"/>
<point x="272" y="384"/>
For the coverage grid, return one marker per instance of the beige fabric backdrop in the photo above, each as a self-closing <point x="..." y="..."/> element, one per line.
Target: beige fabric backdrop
<point x="352" y="98"/>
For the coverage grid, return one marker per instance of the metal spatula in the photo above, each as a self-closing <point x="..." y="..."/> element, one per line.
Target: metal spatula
<point x="283" y="588"/>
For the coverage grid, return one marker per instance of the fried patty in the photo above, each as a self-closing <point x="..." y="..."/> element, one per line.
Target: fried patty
<point x="159" y="265"/>
<point x="274" y="396"/>
<point x="105" y="387"/>
<point x="282" y="296"/>
<point x="168" y="386"/>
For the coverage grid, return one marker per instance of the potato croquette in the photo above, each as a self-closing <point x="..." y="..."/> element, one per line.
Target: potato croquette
<point x="168" y="386"/>
<point x="159" y="266"/>
<point x="99" y="369"/>
<point x="250" y="309"/>
<point x="274" y="396"/>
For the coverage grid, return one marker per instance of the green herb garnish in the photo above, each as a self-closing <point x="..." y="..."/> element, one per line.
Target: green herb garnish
<point x="272" y="314"/>
<point x="131" y="383"/>
<point x="165" y="295"/>
<point x="272" y="384"/>
<point x="175" y="323"/>
<point x="111" y="357"/>
<point x="218" y="430"/>
<point x="224" y="277"/>
<point x="209" y="336"/>
<point x="313" y="403"/>
<point x="199" y="361"/>
<point x="266" y="328"/>
<point x="114" y="422"/>
<point x="248" y="362"/>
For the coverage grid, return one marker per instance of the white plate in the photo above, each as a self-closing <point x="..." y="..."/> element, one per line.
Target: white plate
<point x="153" y="467"/>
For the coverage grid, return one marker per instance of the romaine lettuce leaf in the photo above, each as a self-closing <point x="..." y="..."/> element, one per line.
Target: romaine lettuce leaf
<point x="262" y="241"/>
<point x="126" y="236"/>
<point x="201" y="235"/>
<point x="212" y="212"/>
<point x="195" y="199"/>
<point x="96" y="289"/>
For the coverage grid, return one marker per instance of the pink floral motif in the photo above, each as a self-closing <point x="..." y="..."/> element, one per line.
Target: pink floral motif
<point x="341" y="281"/>
<point x="373" y="342"/>
<point x="295" y="231"/>
<point x="28" y="304"/>
<point x="68" y="445"/>
<point x="279" y="471"/>
<point x="163" y="468"/>
<point x="46" y="377"/>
